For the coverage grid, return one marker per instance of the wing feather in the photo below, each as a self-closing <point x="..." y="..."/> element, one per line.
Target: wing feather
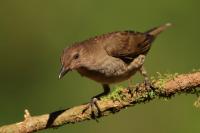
<point x="127" y="45"/>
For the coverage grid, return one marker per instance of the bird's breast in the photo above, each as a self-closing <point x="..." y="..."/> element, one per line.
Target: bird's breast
<point x="103" y="78"/>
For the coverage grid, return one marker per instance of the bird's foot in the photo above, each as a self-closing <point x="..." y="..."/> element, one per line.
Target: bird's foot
<point x="95" y="113"/>
<point x="148" y="84"/>
<point x="130" y="83"/>
<point x="93" y="105"/>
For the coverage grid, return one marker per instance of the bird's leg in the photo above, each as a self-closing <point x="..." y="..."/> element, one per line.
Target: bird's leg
<point x="130" y="82"/>
<point x="106" y="89"/>
<point x="146" y="78"/>
<point x="136" y="63"/>
<point x="93" y="102"/>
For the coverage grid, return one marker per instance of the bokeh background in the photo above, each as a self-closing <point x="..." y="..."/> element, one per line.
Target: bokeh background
<point x="34" y="32"/>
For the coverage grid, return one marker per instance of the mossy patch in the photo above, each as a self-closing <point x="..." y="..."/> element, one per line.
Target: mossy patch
<point x="195" y="70"/>
<point x="161" y="79"/>
<point x="114" y="95"/>
<point x="197" y="103"/>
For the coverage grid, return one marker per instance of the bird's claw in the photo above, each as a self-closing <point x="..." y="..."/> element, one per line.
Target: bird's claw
<point x="92" y="105"/>
<point x="148" y="84"/>
<point x="139" y="61"/>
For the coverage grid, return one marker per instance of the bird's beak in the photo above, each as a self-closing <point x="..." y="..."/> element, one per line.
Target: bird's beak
<point x="63" y="71"/>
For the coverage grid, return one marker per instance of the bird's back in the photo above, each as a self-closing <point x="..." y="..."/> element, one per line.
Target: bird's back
<point x="125" y="45"/>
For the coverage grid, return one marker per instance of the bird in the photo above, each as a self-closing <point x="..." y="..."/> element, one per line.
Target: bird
<point x="110" y="58"/>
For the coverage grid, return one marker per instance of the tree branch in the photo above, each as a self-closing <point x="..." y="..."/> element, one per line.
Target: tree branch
<point x="164" y="86"/>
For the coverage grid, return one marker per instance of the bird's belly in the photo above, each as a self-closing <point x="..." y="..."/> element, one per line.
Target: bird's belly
<point x="104" y="79"/>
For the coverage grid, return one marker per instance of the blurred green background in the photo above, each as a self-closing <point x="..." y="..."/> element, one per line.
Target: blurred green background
<point x="34" y="32"/>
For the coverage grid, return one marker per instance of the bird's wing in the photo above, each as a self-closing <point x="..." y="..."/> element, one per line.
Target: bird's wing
<point x="127" y="45"/>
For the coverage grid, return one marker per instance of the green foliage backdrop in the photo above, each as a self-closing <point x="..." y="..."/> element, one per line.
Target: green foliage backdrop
<point x="34" y="32"/>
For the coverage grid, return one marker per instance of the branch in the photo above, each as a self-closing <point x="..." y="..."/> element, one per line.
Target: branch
<point x="165" y="86"/>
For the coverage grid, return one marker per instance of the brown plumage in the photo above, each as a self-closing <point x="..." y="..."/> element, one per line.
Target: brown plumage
<point x="110" y="58"/>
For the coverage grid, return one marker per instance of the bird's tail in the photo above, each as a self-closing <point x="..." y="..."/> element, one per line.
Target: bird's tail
<point x="157" y="30"/>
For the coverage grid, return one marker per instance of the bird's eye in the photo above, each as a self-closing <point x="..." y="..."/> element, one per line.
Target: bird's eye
<point x="76" y="56"/>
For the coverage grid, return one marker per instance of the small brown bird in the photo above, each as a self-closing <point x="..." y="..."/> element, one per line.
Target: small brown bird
<point x="111" y="57"/>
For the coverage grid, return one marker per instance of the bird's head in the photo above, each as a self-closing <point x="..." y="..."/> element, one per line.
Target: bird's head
<point x="70" y="59"/>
